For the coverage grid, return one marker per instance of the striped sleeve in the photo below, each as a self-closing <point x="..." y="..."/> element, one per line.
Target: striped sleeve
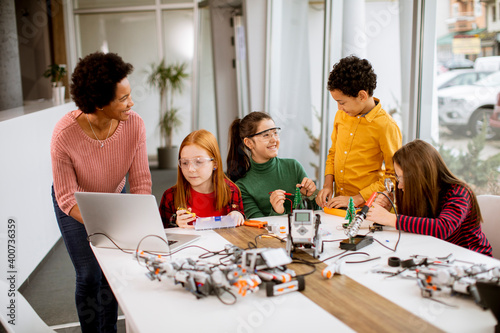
<point x="452" y="215"/>
<point x="455" y="224"/>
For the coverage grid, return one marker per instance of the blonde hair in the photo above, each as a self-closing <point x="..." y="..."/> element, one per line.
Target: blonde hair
<point x="207" y="141"/>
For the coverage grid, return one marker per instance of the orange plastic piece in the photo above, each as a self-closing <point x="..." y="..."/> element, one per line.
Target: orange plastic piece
<point x="255" y="223"/>
<point x="337" y="211"/>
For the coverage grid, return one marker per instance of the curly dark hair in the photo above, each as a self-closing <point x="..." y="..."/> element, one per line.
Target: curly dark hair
<point x="95" y="78"/>
<point x="352" y="74"/>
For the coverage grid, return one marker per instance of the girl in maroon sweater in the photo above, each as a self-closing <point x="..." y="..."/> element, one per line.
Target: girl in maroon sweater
<point x="202" y="187"/>
<point x="432" y="201"/>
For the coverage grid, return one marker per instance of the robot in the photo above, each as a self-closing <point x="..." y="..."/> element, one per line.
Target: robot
<point x="456" y="280"/>
<point x="303" y="227"/>
<point x="242" y="272"/>
<point x="438" y="275"/>
<point x="270" y="266"/>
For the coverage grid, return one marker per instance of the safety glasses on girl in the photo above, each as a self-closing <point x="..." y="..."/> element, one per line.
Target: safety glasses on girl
<point x="197" y="162"/>
<point x="267" y="134"/>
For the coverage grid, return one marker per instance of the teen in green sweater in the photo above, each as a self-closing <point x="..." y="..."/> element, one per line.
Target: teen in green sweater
<point x="267" y="182"/>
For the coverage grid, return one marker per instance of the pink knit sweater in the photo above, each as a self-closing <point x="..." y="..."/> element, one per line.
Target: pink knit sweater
<point x="79" y="164"/>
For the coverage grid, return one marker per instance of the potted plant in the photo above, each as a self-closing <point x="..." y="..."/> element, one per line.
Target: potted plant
<point x="56" y="73"/>
<point x="169" y="80"/>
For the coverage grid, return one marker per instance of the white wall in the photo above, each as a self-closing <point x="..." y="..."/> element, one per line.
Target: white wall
<point x="25" y="191"/>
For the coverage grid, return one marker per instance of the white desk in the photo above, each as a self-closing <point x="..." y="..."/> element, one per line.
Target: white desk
<point x="152" y="306"/>
<point x="468" y="317"/>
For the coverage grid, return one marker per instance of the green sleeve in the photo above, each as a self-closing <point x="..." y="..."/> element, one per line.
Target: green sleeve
<point x="250" y="206"/>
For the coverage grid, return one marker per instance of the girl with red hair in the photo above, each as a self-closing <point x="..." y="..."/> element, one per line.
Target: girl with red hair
<point x="202" y="187"/>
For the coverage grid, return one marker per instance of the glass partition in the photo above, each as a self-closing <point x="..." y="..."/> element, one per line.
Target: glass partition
<point x="295" y="78"/>
<point x="375" y="30"/>
<point x="124" y="34"/>
<point x="206" y="113"/>
<point x="467" y="86"/>
<point x="178" y="45"/>
<point x="137" y="38"/>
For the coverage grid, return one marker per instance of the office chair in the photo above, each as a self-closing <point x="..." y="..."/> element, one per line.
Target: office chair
<point x="489" y="210"/>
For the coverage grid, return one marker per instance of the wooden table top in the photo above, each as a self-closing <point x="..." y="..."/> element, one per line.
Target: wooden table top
<point x="354" y="304"/>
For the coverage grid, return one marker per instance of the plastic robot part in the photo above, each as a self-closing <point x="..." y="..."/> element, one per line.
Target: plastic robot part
<point x="394" y="262"/>
<point x="242" y="273"/>
<point x="275" y="257"/>
<point x="303" y="226"/>
<point x="255" y="223"/>
<point x="335" y="268"/>
<point x="445" y="276"/>
<point x="441" y="275"/>
<point x="274" y="289"/>
<point x="277" y="229"/>
<point x="335" y="211"/>
<point x="187" y="211"/>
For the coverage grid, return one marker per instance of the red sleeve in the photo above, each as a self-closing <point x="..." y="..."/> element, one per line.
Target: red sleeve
<point x="167" y="208"/>
<point x="236" y="201"/>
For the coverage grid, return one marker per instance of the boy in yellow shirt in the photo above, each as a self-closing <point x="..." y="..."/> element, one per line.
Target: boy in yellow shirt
<point x="364" y="137"/>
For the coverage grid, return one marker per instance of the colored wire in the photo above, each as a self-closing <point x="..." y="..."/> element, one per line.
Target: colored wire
<point x="327" y="241"/>
<point x="230" y="293"/>
<point x="291" y="204"/>
<point x="103" y="234"/>
<point x="253" y="245"/>
<point x="304" y="262"/>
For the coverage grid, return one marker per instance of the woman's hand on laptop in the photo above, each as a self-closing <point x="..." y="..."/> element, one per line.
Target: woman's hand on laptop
<point x="238" y="217"/>
<point x="184" y="217"/>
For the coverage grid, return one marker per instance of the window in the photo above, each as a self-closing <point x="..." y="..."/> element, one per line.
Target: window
<point x="130" y="28"/>
<point x="462" y="110"/>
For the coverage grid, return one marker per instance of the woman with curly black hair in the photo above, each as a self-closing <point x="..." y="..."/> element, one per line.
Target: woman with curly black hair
<point x="92" y="150"/>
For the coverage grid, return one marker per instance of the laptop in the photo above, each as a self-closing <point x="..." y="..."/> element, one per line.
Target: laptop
<point x="127" y="219"/>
